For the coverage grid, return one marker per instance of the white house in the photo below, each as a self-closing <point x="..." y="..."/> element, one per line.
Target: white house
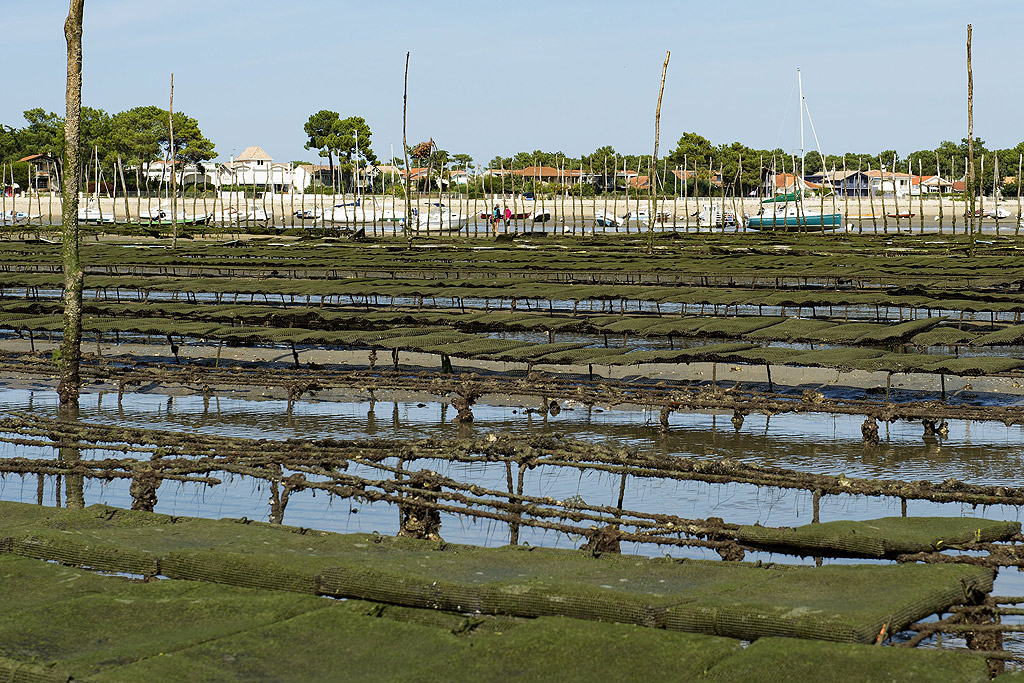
<point x="930" y="184"/>
<point x="187" y="174"/>
<point x="255" y="167"/>
<point x="887" y="182"/>
<point x="844" y="183"/>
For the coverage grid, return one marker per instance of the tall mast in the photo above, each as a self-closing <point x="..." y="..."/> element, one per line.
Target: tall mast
<point x="803" y="105"/>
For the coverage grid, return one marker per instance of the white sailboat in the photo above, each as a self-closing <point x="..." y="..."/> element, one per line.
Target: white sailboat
<point x="789" y="213"/>
<point x="92" y="213"/>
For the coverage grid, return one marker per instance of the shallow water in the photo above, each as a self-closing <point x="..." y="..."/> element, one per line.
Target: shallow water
<point x="980" y="453"/>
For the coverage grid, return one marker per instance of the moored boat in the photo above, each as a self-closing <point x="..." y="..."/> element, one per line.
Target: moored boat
<point x="793" y="218"/>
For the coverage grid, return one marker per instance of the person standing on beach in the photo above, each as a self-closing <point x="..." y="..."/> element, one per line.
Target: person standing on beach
<point x="495" y="218"/>
<point x="508" y="216"/>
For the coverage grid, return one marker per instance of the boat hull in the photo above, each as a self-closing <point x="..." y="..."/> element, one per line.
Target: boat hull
<point x="829" y="221"/>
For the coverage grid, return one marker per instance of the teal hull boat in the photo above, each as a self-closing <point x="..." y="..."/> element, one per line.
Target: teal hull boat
<point x="796" y="223"/>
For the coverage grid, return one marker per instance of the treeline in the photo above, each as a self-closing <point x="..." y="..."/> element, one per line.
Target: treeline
<point x="136" y="136"/>
<point x="742" y="168"/>
<point x="142" y="135"/>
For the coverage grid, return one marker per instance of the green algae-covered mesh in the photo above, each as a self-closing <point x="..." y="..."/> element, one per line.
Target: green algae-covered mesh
<point x="881" y="537"/>
<point x="843" y="603"/>
<point x="391" y="584"/>
<point x="81" y="553"/>
<point x="12" y="671"/>
<point x="253" y="571"/>
<point x="459" y="624"/>
<point x="579" y="602"/>
<point x="788" y="659"/>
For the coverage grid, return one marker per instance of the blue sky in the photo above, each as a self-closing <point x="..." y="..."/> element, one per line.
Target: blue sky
<point x="488" y="78"/>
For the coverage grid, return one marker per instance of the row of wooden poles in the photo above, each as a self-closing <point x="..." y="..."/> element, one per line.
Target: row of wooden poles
<point x="235" y="208"/>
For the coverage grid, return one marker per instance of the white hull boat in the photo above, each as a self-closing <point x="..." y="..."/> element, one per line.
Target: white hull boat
<point x="438" y="223"/>
<point x="610" y="220"/>
<point x="712" y="215"/>
<point x="17" y="217"/>
<point x="234" y="216"/>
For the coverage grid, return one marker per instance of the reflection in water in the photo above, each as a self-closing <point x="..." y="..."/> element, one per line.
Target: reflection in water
<point x="982" y="453"/>
<point x="69" y="455"/>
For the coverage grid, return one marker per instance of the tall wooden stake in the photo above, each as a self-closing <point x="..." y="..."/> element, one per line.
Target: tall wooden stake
<point x="970" y="132"/>
<point x="653" y="212"/>
<point x="405" y="151"/>
<point x="71" y="348"/>
<point x="174" y="178"/>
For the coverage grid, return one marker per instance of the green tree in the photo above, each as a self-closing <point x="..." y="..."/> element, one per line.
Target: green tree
<point x="137" y="134"/>
<point x="44" y="133"/>
<point x="190" y="145"/>
<point x="95" y="131"/>
<point x="695" y="149"/>
<point x="322" y="131"/>
<point x="142" y="135"/>
<point x="10" y="144"/>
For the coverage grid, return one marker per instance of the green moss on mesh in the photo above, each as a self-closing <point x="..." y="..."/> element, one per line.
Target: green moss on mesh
<point x="533" y="351"/>
<point x="680" y="327"/>
<point x="708" y="353"/>
<point x="791" y="329"/>
<point x="24" y="672"/>
<point x="724" y="598"/>
<point x="735" y="327"/>
<point x="771" y="660"/>
<point x="899" y="362"/>
<point x="846" y="333"/>
<point x="844" y="359"/>
<point x="477" y="347"/>
<point x="772" y="355"/>
<point x="943" y="336"/>
<point x="1008" y="336"/>
<point x="588" y="354"/>
<point x="891" y="334"/>
<point x="973" y="366"/>
<point x="842" y="603"/>
<point x="881" y="537"/>
<point x="634" y="325"/>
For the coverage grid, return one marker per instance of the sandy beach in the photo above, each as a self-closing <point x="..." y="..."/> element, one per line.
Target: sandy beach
<point x="864" y="214"/>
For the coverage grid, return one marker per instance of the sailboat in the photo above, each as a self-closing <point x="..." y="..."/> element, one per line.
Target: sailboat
<point x="787" y="212"/>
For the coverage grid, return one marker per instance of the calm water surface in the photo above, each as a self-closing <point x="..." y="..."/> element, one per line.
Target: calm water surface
<point x="980" y="453"/>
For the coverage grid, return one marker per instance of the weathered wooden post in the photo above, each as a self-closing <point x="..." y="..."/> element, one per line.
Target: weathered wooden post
<point x="71" y="348"/>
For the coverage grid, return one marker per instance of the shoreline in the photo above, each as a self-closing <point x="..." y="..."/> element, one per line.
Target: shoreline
<point x="566" y="211"/>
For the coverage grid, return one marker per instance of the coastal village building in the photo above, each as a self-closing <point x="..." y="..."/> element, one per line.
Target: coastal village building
<point x="784" y="183"/>
<point x="843" y="183"/>
<point x="888" y="182"/>
<point x="930" y="184"/>
<point x="187" y="174"/>
<point x="547" y="174"/>
<point x="255" y="167"/>
<point x="44" y="168"/>
<point x="685" y="176"/>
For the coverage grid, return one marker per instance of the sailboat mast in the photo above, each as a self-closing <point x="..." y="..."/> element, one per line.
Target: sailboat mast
<point x="800" y="83"/>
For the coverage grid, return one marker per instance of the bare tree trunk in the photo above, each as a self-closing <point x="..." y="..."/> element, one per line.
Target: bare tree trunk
<point x="71" y="348"/>
<point x="652" y="213"/>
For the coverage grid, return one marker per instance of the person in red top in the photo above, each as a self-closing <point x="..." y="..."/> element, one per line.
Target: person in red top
<point x="508" y="216"/>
